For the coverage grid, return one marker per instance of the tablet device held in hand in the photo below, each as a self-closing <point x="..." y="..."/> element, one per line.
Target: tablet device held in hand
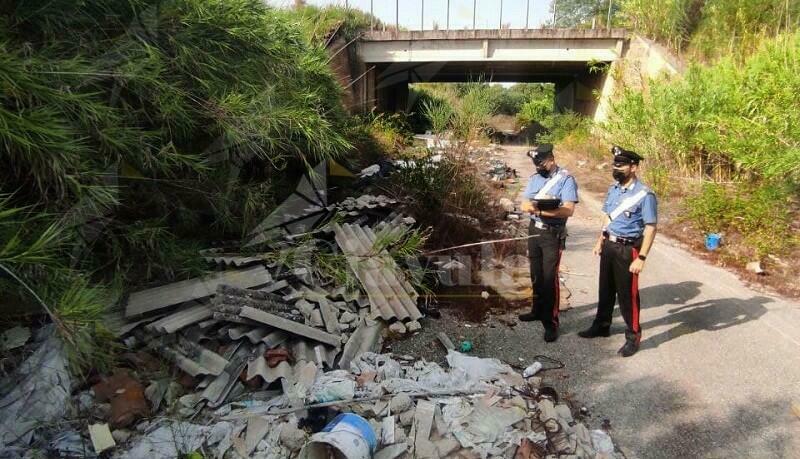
<point x="547" y="203"/>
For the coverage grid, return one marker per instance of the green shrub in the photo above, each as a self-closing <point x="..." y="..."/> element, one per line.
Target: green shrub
<point x="758" y="213"/>
<point x="710" y="29"/>
<point x="452" y="185"/>
<point x="535" y="111"/>
<point x="723" y="120"/>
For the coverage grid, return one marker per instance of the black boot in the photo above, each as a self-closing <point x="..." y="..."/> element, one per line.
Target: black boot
<point x="550" y="334"/>
<point x="631" y="343"/>
<point x="594" y="331"/>
<point x="629" y="348"/>
<point x="527" y="317"/>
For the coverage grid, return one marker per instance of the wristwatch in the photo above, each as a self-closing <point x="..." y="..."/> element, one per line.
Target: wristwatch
<point x="642" y="257"/>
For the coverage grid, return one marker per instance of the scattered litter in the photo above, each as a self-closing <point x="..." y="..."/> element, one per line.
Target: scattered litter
<point x="39" y="393"/>
<point x="267" y="351"/>
<point x="532" y="369"/>
<point x="602" y="443"/>
<point x="755" y="267"/>
<point x="101" y="437"/>
<point x="370" y="171"/>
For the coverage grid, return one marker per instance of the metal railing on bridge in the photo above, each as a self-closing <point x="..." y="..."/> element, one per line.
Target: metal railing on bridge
<point x="551" y="4"/>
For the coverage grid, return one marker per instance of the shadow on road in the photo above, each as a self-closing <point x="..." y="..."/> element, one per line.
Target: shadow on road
<point x="660" y="295"/>
<point x="710" y="315"/>
<point x="663" y="294"/>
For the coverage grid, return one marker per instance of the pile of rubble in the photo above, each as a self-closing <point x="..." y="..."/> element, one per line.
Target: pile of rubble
<point x="269" y="358"/>
<point x="406" y="407"/>
<point x="498" y="170"/>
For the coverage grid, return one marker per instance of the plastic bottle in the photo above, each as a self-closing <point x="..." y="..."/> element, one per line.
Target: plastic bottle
<point x="532" y="369"/>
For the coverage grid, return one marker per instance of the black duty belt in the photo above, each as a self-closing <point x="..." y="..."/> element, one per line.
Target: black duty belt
<point x="622" y="240"/>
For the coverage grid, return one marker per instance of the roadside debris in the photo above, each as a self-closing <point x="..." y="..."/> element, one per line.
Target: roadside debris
<point x="36" y="394"/>
<point x="270" y="356"/>
<point x="755" y="267"/>
<point x="101" y="437"/>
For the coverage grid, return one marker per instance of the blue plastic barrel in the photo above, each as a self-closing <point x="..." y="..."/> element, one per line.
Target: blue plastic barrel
<point x="713" y="241"/>
<point x="348" y="434"/>
<point x="356" y="424"/>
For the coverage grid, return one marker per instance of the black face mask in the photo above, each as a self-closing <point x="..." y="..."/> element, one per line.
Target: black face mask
<point x="543" y="172"/>
<point x="620" y="176"/>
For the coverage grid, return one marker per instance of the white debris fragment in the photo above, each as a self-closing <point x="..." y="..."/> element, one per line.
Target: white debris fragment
<point x="370" y="171"/>
<point x="101" y="437"/>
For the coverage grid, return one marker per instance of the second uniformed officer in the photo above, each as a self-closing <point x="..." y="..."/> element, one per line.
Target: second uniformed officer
<point x="548" y="233"/>
<point x="628" y="232"/>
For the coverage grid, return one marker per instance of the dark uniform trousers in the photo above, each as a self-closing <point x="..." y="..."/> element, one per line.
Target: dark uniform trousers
<point x="618" y="283"/>
<point x="544" y="253"/>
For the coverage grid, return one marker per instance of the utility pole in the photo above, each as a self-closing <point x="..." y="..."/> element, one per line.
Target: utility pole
<point x="608" y="21"/>
<point x="371" y="16"/>
<point x="422" y="19"/>
<point x="501" y="15"/>
<point x="397" y="15"/>
<point x="448" y="15"/>
<point x="527" y="12"/>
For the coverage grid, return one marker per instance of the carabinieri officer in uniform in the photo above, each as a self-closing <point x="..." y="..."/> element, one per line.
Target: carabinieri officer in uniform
<point x="628" y="232"/>
<point x="548" y="231"/>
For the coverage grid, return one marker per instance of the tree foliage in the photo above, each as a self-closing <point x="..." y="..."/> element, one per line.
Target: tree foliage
<point x="132" y="131"/>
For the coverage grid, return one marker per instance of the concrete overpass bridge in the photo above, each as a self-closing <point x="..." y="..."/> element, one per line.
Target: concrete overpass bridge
<point x="384" y="63"/>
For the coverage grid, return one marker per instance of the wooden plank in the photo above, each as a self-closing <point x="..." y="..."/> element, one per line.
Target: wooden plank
<point x="157" y="298"/>
<point x="289" y="326"/>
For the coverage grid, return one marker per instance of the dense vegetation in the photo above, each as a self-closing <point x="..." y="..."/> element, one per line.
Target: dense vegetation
<point x="132" y="132"/>
<point x="729" y="124"/>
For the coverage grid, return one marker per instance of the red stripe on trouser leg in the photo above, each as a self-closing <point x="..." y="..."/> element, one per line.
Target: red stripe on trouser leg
<point x="557" y="299"/>
<point x="635" y="297"/>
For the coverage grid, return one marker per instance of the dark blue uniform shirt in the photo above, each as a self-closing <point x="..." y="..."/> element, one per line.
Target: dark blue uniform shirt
<point x="565" y="189"/>
<point x="630" y="223"/>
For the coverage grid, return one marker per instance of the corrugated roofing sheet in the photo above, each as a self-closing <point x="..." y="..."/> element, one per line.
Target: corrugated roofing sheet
<point x="193" y="289"/>
<point x="182" y="318"/>
<point x="387" y="288"/>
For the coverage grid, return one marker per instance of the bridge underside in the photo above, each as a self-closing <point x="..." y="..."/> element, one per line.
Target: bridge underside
<point x="386" y="84"/>
<point x="389" y="61"/>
